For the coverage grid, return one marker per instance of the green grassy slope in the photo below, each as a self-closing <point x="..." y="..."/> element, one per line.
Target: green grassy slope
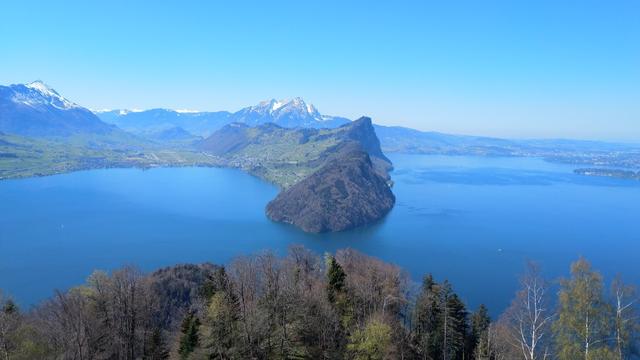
<point x="26" y="157"/>
<point x="285" y="156"/>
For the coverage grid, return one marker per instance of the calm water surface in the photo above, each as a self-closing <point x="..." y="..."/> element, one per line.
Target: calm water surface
<point x="474" y="221"/>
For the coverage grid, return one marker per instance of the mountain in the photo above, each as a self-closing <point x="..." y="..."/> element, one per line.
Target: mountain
<point x="35" y="109"/>
<point x="235" y="137"/>
<point x="406" y="140"/>
<point x="175" y="133"/>
<point x="294" y="113"/>
<point x="343" y="194"/>
<point x="285" y="156"/>
<point x="331" y="179"/>
<point x="154" y="120"/>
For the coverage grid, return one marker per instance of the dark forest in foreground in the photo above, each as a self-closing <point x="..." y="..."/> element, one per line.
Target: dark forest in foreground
<point x="304" y="306"/>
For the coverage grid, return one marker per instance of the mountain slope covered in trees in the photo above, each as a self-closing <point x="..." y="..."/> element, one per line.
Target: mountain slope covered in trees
<point x="345" y="193"/>
<point x="301" y="306"/>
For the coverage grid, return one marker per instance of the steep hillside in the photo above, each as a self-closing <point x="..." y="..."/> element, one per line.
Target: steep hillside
<point x="332" y="179"/>
<point x="285" y="156"/>
<point x="345" y="193"/>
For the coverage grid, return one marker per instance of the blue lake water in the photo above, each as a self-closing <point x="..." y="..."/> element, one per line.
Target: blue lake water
<point x="472" y="220"/>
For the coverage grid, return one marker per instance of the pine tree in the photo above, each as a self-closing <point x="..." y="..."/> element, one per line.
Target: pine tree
<point x="189" y="337"/>
<point x="10" y="307"/>
<point x="220" y="324"/>
<point x="335" y="278"/>
<point x="157" y="347"/>
<point x="425" y="320"/>
<point x="478" y="338"/>
<point x="457" y="333"/>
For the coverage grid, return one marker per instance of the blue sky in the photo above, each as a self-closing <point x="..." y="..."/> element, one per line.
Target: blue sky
<point x="503" y="68"/>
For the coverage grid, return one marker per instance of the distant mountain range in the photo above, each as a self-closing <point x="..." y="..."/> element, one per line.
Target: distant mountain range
<point x="406" y="140"/>
<point x="35" y="109"/>
<point x="294" y="113"/>
<point x="332" y="171"/>
<point x="158" y="120"/>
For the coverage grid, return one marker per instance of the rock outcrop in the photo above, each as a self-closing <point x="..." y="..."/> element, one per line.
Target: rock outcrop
<point x="347" y="192"/>
<point x="331" y="179"/>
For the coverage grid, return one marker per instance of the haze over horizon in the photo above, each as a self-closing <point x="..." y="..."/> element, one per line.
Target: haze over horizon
<point x="533" y="70"/>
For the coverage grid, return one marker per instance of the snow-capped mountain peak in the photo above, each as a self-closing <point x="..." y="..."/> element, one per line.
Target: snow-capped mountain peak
<point x="38" y="93"/>
<point x="42" y="88"/>
<point x="296" y="104"/>
<point x="293" y="112"/>
<point x="35" y="109"/>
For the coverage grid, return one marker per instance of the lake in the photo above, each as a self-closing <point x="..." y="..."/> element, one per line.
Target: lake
<point x="472" y="220"/>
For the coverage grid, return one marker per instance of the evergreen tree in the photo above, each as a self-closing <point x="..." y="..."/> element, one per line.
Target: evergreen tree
<point x="457" y="328"/>
<point x="478" y="338"/>
<point x="157" y="347"/>
<point x="335" y="279"/>
<point x="425" y="320"/>
<point x="220" y="324"/>
<point x="10" y="307"/>
<point x="189" y="337"/>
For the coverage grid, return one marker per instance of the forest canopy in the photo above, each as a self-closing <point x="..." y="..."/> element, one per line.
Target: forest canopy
<point x="345" y="305"/>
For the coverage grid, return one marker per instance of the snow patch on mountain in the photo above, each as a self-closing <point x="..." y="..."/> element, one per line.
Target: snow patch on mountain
<point x="38" y="93"/>
<point x="277" y="105"/>
<point x="290" y="113"/>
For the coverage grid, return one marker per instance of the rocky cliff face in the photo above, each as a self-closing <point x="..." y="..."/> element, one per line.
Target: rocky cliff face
<point x="363" y="133"/>
<point x="345" y="193"/>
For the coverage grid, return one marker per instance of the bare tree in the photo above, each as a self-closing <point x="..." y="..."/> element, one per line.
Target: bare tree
<point x="374" y="284"/>
<point x="626" y="318"/>
<point x="501" y="347"/>
<point x="529" y="318"/>
<point x="68" y="325"/>
<point x="9" y="322"/>
<point x="244" y="273"/>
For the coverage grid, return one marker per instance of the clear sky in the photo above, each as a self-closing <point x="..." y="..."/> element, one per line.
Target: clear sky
<point x="512" y="68"/>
